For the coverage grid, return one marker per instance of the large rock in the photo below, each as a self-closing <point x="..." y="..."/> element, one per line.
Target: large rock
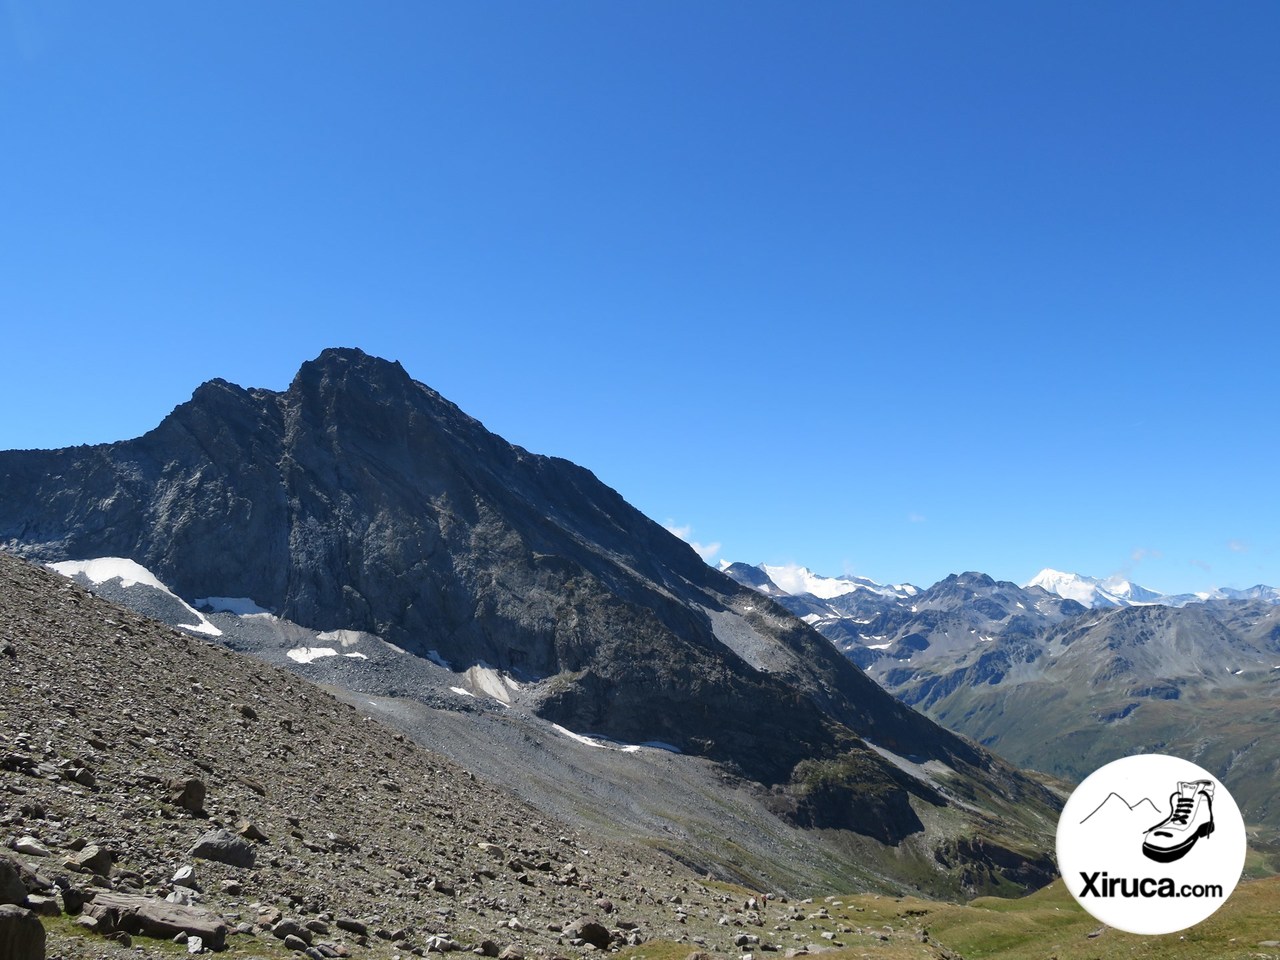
<point x="225" y="848"/>
<point x="93" y="859"/>
<point x="12" y="889"/>
<point x="592" y="931"/>
<point x="21" y="934"/>
<point x="150" y="917"/>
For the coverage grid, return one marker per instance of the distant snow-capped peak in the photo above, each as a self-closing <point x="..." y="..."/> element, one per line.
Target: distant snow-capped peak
<point x="1093" y="592"/>
<point x="795" y="579"/>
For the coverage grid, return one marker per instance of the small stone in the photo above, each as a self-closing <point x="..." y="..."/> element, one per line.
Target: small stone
<point x="188" y="793"/>
<point x="295" y="943"/>
<point x="352" y="926"/>
<point x="291" y="928"/>
<point x="251" y="831"/>
<point x="185" y="877"/>
<point x="31" y="847"/>
<point x="487" y="948"/>
<point x="511" y="953"/>
<point x="442" y="945"/>
<point x="194" y="945"/>
<point x="247" y="712"/>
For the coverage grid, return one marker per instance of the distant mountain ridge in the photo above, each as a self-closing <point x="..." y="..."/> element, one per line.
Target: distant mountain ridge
<point x="1068" y="672"/>
<point x="1093" y="592"/>
<point x="1117" y="591"/>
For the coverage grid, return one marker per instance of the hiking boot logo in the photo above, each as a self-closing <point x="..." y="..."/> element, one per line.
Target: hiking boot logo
<point x="1190" y="818"/>
<point x="1125" y="856"/>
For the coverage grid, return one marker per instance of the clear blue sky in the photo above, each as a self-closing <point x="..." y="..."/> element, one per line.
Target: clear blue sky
<point x="898" y="289"/>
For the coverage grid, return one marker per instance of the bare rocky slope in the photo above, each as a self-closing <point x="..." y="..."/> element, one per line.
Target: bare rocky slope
<point x="361" y="500"/>
<point x="361" y="843"/>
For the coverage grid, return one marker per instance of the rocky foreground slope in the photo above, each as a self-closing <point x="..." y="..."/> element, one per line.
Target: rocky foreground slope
<point x="123" y="743"/>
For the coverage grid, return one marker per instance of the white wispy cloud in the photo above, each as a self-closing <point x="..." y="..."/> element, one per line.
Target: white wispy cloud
<point x="685" y="532"/>
<point x="915" y="518"/>
<point x="1237" y="546"/>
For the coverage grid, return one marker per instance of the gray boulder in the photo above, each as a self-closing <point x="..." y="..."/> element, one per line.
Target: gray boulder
<point x="593" y="932"/>
<point x="224" y="847"/>
<point x="155" y="918"/>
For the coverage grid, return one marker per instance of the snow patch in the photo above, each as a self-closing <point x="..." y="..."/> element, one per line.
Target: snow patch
<point x="605" y="743"/>
<point x="356" y="656"/>
<point x="308" y="654"/>
<point x="130" y="573"/>
<point x="588" y="741"/>
<point x="240" y="606"/>
<point x="462" y="692"/>
<point x="439" y="661"/>
<point x="878" y="646"/>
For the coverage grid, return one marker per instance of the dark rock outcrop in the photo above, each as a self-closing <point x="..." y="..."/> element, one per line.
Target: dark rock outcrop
<point x="21" y="934"/>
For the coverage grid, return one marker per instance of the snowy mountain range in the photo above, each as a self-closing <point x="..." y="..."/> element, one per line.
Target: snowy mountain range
<point x="1120" y="592"/>
<point x="793" y="579"/>
<point x="1094" y="593"/>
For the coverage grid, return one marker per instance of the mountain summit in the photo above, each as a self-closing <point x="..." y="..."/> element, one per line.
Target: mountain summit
<point x="1092" y="592"/>
<point x="361" y="500"/>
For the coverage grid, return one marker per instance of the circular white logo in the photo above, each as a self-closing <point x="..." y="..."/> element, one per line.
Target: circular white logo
<point x="1151" y="844"/>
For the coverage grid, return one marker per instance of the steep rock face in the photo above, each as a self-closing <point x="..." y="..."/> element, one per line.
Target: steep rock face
<point x="360" y="499"/>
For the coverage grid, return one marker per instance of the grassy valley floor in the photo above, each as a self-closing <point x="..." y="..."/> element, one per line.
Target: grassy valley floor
<point x="1047" y="924"/>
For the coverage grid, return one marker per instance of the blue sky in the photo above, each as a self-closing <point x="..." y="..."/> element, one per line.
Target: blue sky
<point x="896" y="289"/>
